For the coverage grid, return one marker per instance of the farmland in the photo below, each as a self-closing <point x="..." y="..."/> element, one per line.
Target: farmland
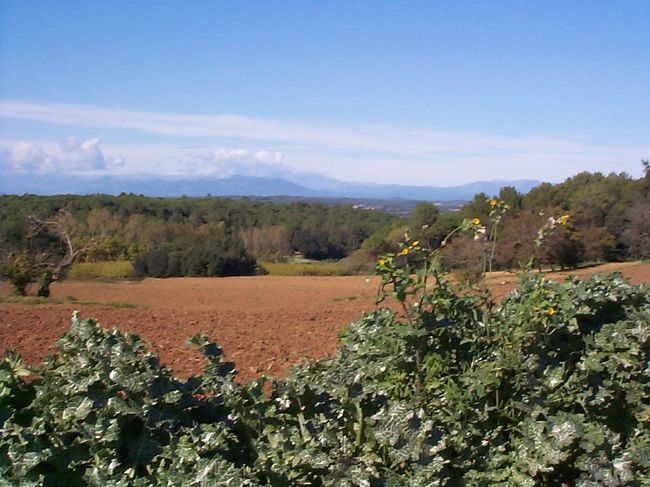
<point x="545" y="389"/>
<point x="264" y="323"/>
<point x="447" y="385"/>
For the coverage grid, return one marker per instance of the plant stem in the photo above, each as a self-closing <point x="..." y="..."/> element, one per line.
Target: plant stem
<point x="494" y="245"/>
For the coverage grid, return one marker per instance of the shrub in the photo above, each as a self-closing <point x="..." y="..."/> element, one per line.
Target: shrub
<point x="19" y="268"/>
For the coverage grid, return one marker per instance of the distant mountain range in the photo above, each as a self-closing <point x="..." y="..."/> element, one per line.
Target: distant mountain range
<point x="310" y="186"/>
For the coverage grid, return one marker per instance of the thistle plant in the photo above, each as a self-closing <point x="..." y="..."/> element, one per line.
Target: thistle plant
<point x="497" y="210"/>
<point x="406" y="275"/>
<point x="550" y="225"/>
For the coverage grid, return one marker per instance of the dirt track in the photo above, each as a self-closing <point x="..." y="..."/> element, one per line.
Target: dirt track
<point x="264" y="324"/>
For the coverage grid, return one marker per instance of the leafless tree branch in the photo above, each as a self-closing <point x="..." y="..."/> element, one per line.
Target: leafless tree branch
<point x="61" y="226"/>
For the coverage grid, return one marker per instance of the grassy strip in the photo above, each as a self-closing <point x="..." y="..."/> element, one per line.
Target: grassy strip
<point x="338" y="268"/>
<point x="111" y="304"/>
<point x="119" y="269"/>
<point x="36" y="301"/>
<point x="29" y="300"/>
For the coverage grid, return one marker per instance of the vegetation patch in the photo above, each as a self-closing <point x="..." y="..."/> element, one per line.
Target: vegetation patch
<point x="37" y="301"/>
<point x="347" y="298"/>
<point x="29" y="300"/>
<point x="335" y="268"/>
<point x="110" y="304"/>
<point x="119" y="269"/>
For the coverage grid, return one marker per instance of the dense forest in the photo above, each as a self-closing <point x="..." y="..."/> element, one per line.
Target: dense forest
<point x="608" y="218"/>
<point x="175" y="236"/>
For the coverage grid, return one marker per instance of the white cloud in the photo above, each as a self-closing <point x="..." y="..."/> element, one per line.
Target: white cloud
<point x="23" y="157"/>
<point x="242" y="155"/>
<point x="89" y="156"/>
<point x="117" y="161"/>
<point x="269" y="156"/>
<point x="69" y="156"/>
<point x="223" y="163"/>
<point x="83" y="155"/>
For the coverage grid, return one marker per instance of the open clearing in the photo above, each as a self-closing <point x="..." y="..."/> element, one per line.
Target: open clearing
<point x="264" y="324"/>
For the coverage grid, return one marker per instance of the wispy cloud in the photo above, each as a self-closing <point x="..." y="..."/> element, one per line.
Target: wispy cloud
<point x="371" y="152"/>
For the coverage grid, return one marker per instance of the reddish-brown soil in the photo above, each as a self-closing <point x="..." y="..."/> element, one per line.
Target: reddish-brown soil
<point x="264" y="324"/>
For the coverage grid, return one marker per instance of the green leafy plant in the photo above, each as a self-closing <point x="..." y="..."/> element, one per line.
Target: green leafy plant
<point x="548" y="388"/>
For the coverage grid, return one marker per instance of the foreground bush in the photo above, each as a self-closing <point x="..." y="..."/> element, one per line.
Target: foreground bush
<point x="549" y="388"/>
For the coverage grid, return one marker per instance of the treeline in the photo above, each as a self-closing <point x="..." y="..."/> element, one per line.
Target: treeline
<point x="608" y="220"/>
<point x="181" y="236"/>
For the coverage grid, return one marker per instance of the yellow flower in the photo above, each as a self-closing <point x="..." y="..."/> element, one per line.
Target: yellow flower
<point x="404" y="252"/>
<point x="415" y="244"/>
<point x="381" y="261"/>
<point x="493" y="202"/>
<point x="563" y="219"/>
<point x="550" y="311"/>
<point x="476" y="221"/>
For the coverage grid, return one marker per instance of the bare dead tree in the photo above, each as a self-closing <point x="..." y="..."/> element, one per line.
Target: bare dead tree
<point x="62" y="225"/>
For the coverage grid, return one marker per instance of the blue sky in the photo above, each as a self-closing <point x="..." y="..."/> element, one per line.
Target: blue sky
<point x="411" y="92"/>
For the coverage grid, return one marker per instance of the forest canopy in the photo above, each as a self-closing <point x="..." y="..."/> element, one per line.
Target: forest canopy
<point x="180" y="236"/>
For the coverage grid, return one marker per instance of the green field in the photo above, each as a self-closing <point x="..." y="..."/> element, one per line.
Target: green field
<point x="313" y="268"/>
<point x="119" y="269"/>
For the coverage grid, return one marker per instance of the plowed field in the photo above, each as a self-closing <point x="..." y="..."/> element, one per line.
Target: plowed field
<point x="264" y="324"/>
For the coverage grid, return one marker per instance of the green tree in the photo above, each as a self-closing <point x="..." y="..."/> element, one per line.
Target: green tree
<point x="447" y="221"/>
<point x="384" y="240"/>
<point x="540" y="197"/>
<point x="423" y="219"/>
<point x="511" y="197"/>
<point x="479" y="208"/>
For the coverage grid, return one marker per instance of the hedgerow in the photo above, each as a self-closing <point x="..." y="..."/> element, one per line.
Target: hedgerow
<point x="551" y="387"/>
